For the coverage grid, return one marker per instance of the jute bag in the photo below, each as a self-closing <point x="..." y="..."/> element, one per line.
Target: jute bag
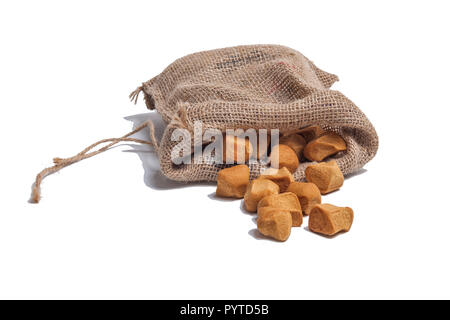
<point x="256" y="86"/>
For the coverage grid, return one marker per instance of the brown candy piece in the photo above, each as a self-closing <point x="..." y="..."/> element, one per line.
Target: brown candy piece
<point x="307" y="193"/>
<point x="295" y="141"/>
<point x="284" y="201"/>
<point x="329" y="220"/>
<point x="232" y="182"/>
<point x="256" y="190"/>
<point x="283" y="156"/>
<point x="325" y="175"/>
<point x="324" y="146"/>
<point x="310" y="133"/>
<point x="275" y="223"/>
<point x="236" y="149"/>
<point x="282" y="177"/>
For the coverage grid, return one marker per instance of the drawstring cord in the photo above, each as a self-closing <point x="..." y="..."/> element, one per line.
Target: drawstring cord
<point x="135" y="94"/>
<point x="60" y="163"/>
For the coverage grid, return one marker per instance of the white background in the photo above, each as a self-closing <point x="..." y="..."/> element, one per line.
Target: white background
<point x="113" y="227"/>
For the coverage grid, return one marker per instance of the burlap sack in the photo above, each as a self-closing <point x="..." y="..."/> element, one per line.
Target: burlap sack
<point x="260" y="87"/>
<point x="245" y="87"/>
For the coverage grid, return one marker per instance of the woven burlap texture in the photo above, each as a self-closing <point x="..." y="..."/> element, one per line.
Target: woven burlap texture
<point x="256" y="86"/>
